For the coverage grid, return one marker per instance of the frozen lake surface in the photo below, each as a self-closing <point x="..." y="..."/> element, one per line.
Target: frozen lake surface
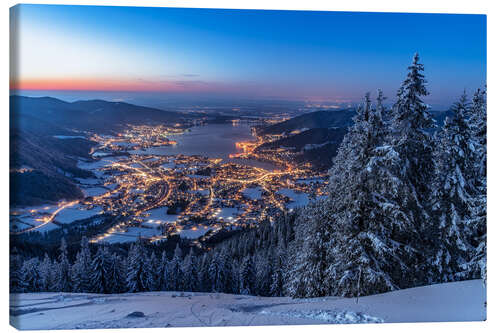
<point x="213" y="141"/>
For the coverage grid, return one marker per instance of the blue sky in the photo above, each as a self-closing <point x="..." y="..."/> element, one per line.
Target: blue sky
<point x="299" y="55"/>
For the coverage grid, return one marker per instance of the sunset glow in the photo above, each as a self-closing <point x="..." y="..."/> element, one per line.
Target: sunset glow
<point x="254" y="54"/>
<point x="111" y="85"/>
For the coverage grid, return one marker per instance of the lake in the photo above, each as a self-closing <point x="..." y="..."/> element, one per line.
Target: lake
<point x="212" y="140"/>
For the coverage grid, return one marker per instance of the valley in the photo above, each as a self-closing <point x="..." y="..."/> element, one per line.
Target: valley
<point x="192" y="178"/>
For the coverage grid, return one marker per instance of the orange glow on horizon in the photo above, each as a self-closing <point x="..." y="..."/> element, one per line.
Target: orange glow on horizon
<point x="105" y="84"/>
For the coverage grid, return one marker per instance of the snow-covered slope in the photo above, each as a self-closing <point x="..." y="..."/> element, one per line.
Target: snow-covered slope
<point x="458" y="301"/>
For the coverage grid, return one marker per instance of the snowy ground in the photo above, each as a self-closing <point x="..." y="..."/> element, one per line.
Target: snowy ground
<point x="226" y="213"/>
<point x="77" y="212"/>
<point x="130" y="235"/>
<point x="459" y="301"/>
<point x="299" y="199"/>
<point x="157" y="216"/>
<point x="199" y="231"/>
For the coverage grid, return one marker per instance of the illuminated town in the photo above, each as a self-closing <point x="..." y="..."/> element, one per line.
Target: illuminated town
<point x="153" y="196"/>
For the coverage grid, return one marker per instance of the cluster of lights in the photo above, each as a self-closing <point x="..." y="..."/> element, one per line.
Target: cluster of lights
<point x="142" y="185"/>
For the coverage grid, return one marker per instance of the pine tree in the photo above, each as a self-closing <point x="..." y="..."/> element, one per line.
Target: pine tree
<point x="203" y="275"/>
<point x="265" y="272"/>
<point x="46" y="275"/>
<point x="367" y="252"/>
<point x="453" y="194"/>
<point x="139" y="271"/>
<point x="15" y="264"/>
<point x="411" y="139"/>
<point x="277" y="279"/>
<point x="80" y="271"/>
<point x="190" y="272"/>
<point x="215" y="274"/>
<point x="235" y="276"/>
<point x="385" y="115"/>
<point x="307" y="275"/>
<point x="155" y="272"/>
<point x="476" y="265"/>
<point x="226" y="268"/>
<point x="163" y="271"/>
<point x="175" y="269"/>
<point x="100" y="271"/>
<point x="115" y="276"/>
<point x="247" y="276"/>
<point x="30" y="276"/>
<point x="62" y="281"/>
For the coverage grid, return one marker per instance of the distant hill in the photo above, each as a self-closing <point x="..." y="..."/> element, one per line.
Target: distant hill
<point x="316" y="145"/>
<point x="42" y="167"/>
<point x="321" y="134"/>
<point x="311" y="137"/>
<point x="327" y="119"/>
<point x="95" y="115"/>
<point x="317" y="119"/>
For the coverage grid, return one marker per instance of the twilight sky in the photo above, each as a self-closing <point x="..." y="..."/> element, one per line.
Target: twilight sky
<point x="297" y="55"/>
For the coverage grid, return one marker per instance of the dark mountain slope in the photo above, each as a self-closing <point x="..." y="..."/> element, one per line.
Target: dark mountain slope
<point x="316" y="146"/>
<point x="326" y="130"/>
<point x="42" y="167"/>
<point x="315" y="136"/>
<point x="327" y="119"/>
<point x="96" y="115"/>
<point x="318" y="119"/>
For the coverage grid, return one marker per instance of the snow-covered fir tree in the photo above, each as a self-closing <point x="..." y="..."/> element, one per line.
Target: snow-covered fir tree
<point x="247" y="276"/>
<point x="155" y="272"/>
<point x="453" y="193"/>
<point x="411" y="138"/>
<point x="139" y="270"/>
<point x="264" y="271"/>
<point x="189" y="272"/>
<point x="46" y="273"/>
<point x="62" y="281"/>
<point x="476" y="265"/>
<point x="175" y="277"/>
<point x="30" y="276"/>
<point x="478" y="125"/>
<point x="15" y="263"/>
<point x="215" y="274"/>
<point x="279" y="269"/>
<point x="203" y="275"/>
<point x="236" y="276"/>
<point x="163" y="271"/>
<point x="115" y="276"/>
<point x="385" y="113"/>
<point x="80" y="271"/>
<point x="369" y="251"/>
<point x="226" y="274"/>
<point x="307" y="274"/>
<point x="99" y="271"/>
